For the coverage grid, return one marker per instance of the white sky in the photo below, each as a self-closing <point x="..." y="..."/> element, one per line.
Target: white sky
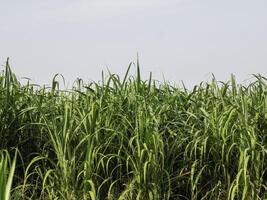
<point x="180" y="39"/>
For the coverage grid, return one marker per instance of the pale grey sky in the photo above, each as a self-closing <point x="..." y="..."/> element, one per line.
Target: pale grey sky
<point x="182" y="39"/>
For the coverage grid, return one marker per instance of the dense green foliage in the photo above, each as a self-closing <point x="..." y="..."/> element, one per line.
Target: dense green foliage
<point x="133" y="139"/>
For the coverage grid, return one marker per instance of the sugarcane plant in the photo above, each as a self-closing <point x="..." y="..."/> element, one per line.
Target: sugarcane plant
<point x="129" y="138"/>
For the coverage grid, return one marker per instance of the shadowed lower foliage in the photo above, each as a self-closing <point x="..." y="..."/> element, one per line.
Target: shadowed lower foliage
<point x="133" y="139"/>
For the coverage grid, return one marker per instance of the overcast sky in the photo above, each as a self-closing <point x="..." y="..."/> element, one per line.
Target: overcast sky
<point x="180" y="39"/>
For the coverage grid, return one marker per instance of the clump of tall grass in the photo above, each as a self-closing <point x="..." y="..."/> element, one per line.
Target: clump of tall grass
<point x="131" y="138"/>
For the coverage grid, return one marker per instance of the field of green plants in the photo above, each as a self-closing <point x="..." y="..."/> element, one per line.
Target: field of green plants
<point x="128" y="138"/>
